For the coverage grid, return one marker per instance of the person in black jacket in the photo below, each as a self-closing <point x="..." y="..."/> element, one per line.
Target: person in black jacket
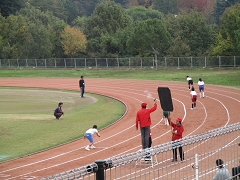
<point x="82" y="86"/>
<point x="58" y="112"/>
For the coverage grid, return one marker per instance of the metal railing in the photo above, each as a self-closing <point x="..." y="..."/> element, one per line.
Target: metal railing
<point x="201" y="152"/>
<point x="160" y="62"/>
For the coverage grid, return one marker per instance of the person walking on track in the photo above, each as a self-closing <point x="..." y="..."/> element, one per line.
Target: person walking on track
<point x="201" y="87"/>
<point x="144" y="120"/>
<point x="190" y="82"/>
<point x="58" y="112"/>
<point x="165" y="117"/>
<point x="177" y="131"/>
<point x="193" y="94"/>
<point x="82" y="87"/>
<point x="89" y="133"/>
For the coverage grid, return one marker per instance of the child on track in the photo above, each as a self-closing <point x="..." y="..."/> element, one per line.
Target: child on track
<point x="193" y="97"/>
<point x="89" y="134"/>
<point x="201" y="87"/>
<point x="165" y="117"/>
<point x="190" y="82"/>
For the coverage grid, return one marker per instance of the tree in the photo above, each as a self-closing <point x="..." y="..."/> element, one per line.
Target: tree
<point x="139" y="13"/>
<point x="73" y="41"/>
<point x="149" y="37"/>
<point x="220" y="6"/>
<point x="8" y="7"/>
<point x="165" y="6"/>
<point x="192" y="30"/>
<point x="107" y="18"/>
<point x="228" y="39"/>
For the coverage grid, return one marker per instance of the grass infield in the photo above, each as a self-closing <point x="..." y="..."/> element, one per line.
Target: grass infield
<point x="27" y="124"/>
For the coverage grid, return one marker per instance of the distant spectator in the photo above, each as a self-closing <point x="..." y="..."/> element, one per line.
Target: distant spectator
<point x="58" y="112"/>
<point x="190" y="82"/>
<point x="201" y="87"/>
<point x="222" y="173"/>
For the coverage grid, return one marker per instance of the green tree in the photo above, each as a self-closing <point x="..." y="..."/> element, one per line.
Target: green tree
<point x="53" y="28"/>
<point x="192" y="30"/>
<point x="165" y="6"/>
<point x="228" y="39"/>
<point x="107" y="18"/>
<point x="8" y="7"/>
<point x="149" y="37"/>
<point x="139" y="13"/>
<point x="220" y="6"/>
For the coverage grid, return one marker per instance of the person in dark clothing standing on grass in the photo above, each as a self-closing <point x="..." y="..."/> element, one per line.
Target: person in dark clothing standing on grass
<point x="82" y="86"/>
<point x="58" y="112"/>
<point x="144" y="120"/>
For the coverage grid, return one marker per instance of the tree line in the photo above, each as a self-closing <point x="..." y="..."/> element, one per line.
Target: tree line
<point x="101" y="28"/>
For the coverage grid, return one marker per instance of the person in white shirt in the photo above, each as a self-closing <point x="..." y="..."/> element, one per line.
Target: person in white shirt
<point x="201" y="87"/>
<point x="190" y="82"/>
<point x="222" y="173"/>
<point x="89" y="134"/>
<point x="193" y="97"/>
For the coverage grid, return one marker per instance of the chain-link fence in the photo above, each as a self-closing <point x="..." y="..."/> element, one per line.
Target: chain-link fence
<point x="154" y="63"/>
<point x="200" y="151"/>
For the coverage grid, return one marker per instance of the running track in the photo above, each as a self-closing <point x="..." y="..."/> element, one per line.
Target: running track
<point x="219" y="108"/>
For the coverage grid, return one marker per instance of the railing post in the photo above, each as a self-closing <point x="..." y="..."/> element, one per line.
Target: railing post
<point x="196" y="165"/>
<point x="85" y="63"/>
<point x="96" y="62"/>
<point x="65" y="63"/>
<point x="9" y="63"/>
<point x="100" y="172"/>
<point x="118" y="62"/>
<point x="26" y="63"/>
<point x="0" y="63"/>
<point x="107" y="62"/>
<point x="129" y="63"/>
<point x="36" y="63"/>
<point x="45" y="62"/>
<point x="141" y="63"/>
<point x="205" y="61"/>
<point x="191" y="62"/>
<point x="219" y="61"/>
<point x="55" y="62"/>
<point x="165" y="62"/>
<point x="178" y="62"/>
<point x="234" y="61"/>
<point x="75" y="63"/>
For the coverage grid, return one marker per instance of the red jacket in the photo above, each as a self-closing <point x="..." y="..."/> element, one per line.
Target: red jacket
<point x="143" y="116"/>
<point x="179" y="131"/>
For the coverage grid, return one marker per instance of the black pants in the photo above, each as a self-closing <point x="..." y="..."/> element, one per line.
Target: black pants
<point x="181" y="153"/>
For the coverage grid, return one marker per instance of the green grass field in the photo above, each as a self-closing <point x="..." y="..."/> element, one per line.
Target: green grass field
<point x="27" y="124"/>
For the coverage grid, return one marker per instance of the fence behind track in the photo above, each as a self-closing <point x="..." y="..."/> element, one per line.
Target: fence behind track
<point x="201" y="152"/>
<point x="160" y="62"/>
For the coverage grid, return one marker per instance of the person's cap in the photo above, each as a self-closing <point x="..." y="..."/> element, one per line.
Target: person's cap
<point x="179" y="119"/>
<point x="144" y="104"/>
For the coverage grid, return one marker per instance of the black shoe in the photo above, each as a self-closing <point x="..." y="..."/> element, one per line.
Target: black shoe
<point x="173" y="160"/>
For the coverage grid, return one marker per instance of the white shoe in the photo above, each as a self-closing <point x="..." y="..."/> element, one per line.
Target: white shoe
<point x="92" y="147"/>
<point x="87" y="148"/>
<point x="191" y="108"/>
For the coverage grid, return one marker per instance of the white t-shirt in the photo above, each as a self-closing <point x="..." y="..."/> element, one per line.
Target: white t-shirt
<point x="92" y="131"/>
<point x="189" y="78"/>
<point x="222" y="174"/>
<point x="200" y="83"/>
<point x="193" y="93"/>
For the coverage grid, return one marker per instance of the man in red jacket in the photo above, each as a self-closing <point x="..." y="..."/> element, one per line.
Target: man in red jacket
<point x="177" y="131"/>
<point x="144" y="120"/>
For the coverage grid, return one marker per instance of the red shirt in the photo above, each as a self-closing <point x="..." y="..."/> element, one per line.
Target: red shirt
<point x="179" y="131"/>
<point x="143" y="116"/>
